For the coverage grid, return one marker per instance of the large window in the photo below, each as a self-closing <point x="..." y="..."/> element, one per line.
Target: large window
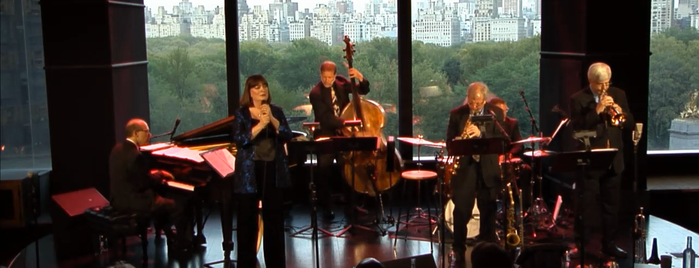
<point x="186" y="63"/>
<point x="673" y="118"/>
<point x="460" y="42"/>
<point x="286" y="42"/>
<point x="24" y="137"/>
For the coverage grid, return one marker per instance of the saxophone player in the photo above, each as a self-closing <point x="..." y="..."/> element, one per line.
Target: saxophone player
<point x="590" y="109"/>
<point x="476" y="175"/>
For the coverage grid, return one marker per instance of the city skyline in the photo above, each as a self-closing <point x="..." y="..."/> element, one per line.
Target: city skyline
<point x="211" y="4"/>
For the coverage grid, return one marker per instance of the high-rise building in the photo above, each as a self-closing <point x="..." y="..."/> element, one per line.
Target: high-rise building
<point x="661" y="15"/>
<point x="511" y="8"/>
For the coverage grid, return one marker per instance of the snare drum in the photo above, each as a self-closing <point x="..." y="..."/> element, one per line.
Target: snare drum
<point x="473" y="225"/>
<point x="511" y="168"/>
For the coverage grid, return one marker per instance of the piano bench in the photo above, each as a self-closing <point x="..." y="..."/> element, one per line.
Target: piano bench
<point x="113" y="224"/>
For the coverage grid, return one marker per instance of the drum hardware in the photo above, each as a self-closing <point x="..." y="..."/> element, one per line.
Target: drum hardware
<point x="538" y="212"/>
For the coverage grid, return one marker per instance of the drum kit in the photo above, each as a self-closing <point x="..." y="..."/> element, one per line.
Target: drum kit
<point x="537" y="214"/>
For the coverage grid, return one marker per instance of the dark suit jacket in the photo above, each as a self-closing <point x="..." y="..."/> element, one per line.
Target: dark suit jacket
<point x="244" y="177"/>
<point x="467" y="167"/>
<point x="511" y="126"/>
<point x="130" y="180"/>
<point x="321" y="100"/>
<point x="584" y="117"/>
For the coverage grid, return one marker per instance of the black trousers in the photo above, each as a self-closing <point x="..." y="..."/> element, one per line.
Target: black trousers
<point x="273" y="218"/>
<point x="474" y="188"/>
<point x="601" y="193"/>
<point x="322" y="179"/>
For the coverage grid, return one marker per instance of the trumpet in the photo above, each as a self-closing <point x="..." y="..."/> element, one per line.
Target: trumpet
<point x="618" y="118"/>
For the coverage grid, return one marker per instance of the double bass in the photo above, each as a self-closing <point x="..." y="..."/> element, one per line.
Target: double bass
<point x="370" y="172"/>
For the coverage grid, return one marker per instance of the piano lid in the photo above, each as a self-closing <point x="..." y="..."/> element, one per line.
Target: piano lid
<point x="216" y="132"/>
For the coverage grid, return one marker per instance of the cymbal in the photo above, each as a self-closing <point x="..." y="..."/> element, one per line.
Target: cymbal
<point x="421" y="142"/>
<point x="539" y="153"/>
<point x="532" y="139"/>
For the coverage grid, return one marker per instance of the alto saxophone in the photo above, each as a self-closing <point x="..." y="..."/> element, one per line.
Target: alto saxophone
<point x="513" y="240"/>
<point x="464" y="135"/>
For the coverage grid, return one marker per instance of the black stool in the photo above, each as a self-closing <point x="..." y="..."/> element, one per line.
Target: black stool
<point x="117" y="224"/>
<point x="419" y="176"/>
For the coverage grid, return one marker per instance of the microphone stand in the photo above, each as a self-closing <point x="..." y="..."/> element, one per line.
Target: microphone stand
<point x="171" y="132"/>
<point x="505" y="142"/>
<point x="535" y="133"/>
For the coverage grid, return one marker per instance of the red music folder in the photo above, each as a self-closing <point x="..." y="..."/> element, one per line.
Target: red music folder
<point x="220" y="160"/>
<point x="76" y="202"/>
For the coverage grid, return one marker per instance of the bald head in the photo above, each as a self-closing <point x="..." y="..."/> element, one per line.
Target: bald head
<point x="476" y="94"/>
<point x="138" y="131"/>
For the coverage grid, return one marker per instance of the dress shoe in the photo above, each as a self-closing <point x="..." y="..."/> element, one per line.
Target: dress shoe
<point x="612" y="250"/>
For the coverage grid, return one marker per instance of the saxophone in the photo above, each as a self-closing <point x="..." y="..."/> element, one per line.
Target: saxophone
<point x="464" y="135"/>
<point x="513" y="240"/>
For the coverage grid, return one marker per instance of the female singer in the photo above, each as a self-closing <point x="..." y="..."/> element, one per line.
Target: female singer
<point x="260" y="132"/>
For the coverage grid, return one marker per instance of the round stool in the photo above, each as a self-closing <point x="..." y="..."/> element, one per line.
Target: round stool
<point x="419" y="176"/>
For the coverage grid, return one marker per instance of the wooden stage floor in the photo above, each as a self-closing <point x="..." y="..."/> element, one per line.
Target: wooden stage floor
<point x="335" y="252"/>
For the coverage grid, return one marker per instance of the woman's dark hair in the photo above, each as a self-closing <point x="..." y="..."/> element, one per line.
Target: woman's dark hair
<point x="251" y="82"/>
<point x="490" y="255"/>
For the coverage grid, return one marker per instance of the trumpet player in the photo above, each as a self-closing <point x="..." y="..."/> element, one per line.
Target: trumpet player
<point x="476" y="175"/>
<point x="600" y="107"/>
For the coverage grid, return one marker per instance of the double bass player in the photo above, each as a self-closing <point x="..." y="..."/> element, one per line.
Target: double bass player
<point x="328" y="97"/>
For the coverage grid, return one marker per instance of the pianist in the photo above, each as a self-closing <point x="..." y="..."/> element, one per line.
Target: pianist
<point x="260" y="131"/>
<point x="133" y="185"/>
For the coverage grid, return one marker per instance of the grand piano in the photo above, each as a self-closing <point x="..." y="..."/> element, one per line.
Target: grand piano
<point x="195" y="178"/>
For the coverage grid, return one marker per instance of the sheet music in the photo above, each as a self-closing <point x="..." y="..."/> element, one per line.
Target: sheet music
<point x="155" y="146"/>
<point x="220" y="160"/>
<point x="181" y="153"/>
<point x="180" y="185"/>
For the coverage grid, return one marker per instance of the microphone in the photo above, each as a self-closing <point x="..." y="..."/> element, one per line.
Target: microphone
<point x="521" y="93"/>
<point x="177" y="123"/>
<point x="264" y="102"/>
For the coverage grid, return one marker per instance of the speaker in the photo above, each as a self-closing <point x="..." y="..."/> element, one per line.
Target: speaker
<point x="21" y="199"/>
<point x="70" y="230"/>
<point x="420" y="261"/>
<point x="390" y="150"/>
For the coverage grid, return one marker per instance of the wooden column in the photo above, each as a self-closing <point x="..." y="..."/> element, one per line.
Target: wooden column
<point x="96" y="79"/>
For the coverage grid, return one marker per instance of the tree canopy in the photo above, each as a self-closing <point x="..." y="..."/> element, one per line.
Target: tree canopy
<point x="187" y="78"/>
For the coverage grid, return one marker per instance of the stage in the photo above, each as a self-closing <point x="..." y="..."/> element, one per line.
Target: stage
<point x="338" y="252"/>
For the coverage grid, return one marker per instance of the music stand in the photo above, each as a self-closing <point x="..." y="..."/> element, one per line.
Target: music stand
<point x="468" y="147"/>
<point x="353" y="145"/>
<point x="583" y="161"/>
<point x="311" y="148"/>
